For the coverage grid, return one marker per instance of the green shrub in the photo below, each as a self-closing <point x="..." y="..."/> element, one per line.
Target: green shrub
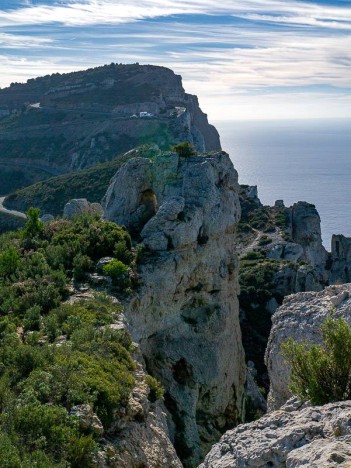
<point x="281" y="218"/>
<point x="156" y="391"/>
<point x="322" y="373"/>
<point x="9" y="261"/>
<point x="122" y="253"/>
<point x="33" y="227"/>
<point x="264" y="240"/>
<point x="184" y="149"/>
<point x="81" y="265"/>
<point x="41" y="377"/>
<point x="118" y="271"/>
<point x="32" y="318"/>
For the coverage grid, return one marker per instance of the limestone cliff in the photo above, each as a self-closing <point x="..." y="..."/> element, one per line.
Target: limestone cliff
<point x="62" y="123"/>
<point x="300" y="318"/>
<point x="185" y="315"/>
<point x="281" y="253"/>
<point x="296" y="436"/>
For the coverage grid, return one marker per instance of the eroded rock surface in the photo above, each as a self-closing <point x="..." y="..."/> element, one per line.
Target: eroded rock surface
<point x="79" y="206"/>
<point x="185" y="315"/>
<point x="295" y="436"/>
<point x="300" y="317"/>
<point x="139" y="436"/>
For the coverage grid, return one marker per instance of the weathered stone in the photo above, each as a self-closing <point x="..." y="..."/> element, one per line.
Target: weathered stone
<point x="322" y="453"/>
<point x="279" y="204"/>
<point x="306" y="231"/>
<point x="340" y="259"/>
<point x="300" y="317"/>
<point x="255" y="398"/>
<point x="102" y="262"/>
<point x="88" y="421"/>
<point x="286" y="251"/>
<point x="185" y="315"/>
<point x="79" y="206"/>
<point x="47" y="218"/>
<point x="292" y="437"/>
<point x="139" y="435"/>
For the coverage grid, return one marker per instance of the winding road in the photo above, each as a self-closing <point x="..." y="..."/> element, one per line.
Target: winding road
<point x="19" y="214"/>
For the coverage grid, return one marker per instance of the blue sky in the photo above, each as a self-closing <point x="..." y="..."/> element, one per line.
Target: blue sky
<point x="245" y="59"/>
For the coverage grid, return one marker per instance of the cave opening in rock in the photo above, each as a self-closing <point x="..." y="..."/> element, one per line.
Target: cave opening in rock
<point x="149" y="200"/>
<point x="146" y="210"/>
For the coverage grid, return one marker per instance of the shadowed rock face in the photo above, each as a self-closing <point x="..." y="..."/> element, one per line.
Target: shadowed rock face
<point x="185" y="315"/>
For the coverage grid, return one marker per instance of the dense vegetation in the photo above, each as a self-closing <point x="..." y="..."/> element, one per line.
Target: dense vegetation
<point x="9" y="222"/>
<point x="52" y="194"/>
<point x="54" y="353"/>
<point x="257" y="288"/>
<point x="322" y="373"/>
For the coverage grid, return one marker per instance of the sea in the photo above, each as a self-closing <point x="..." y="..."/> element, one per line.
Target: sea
<point x="304" y="160"/>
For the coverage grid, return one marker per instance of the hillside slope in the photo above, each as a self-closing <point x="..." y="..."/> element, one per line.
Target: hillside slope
<point x="63" y="123"/>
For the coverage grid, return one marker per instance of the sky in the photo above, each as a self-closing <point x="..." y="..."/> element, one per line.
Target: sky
<point x="245" y="59"/>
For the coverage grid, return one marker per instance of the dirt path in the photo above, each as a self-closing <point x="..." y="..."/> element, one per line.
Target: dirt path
<point x="10" y="212"/>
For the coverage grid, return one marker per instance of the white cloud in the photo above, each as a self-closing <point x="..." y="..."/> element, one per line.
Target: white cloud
<point x="13" y="41"/>
<point x="232" y="69"/>
<point x="89" y="12"/>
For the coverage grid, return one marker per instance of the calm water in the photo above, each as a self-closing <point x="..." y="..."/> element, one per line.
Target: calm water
<point x="296" y="160"/>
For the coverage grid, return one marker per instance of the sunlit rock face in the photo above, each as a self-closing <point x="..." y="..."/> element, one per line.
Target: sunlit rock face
<point x="295" y="436"/>
<point x="185" y="314"/>
<point x="300" y="317"/>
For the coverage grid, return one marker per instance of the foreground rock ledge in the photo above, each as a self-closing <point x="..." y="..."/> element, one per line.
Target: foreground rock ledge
<point x="185" y="315"/>
<point x="294" y="436"/>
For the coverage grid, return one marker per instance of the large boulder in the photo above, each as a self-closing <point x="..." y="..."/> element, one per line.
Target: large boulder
<point x="300" y="317"/>
<point x="295" y="436"/>
<point x="79" y="206"/>
<point x="186" y="315"/>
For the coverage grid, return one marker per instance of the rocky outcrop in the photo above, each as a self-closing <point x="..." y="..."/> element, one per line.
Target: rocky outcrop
<point x="83" y="118"/>
<point x="306" y="232"/>
<point x="295" y="436"/>
<point x="185" y="315"/>
<point x="300" y="318"/>
<point x="139" y="436"/>
<point x="79" y="206"/>
<point x="87" y="419"/>
<point x="340" y="259"/>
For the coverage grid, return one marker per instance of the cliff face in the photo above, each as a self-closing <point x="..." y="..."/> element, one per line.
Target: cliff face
<point x="300" y="317"/>
<point x="281" y="253"/>
<point x="62" y="123"/>
<point x="185" y="315"/>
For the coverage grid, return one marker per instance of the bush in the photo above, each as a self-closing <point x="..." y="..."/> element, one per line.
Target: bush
<point x="322" y="373"/>
<point x="9" y="261"/>
<point x="184" y="149"/>
<point x="118" y="271"/>
<point x="156" y="390"/>
<point x="81" y="265"/>
<point x="41" y="377"/>
<point x="33" y="227"/>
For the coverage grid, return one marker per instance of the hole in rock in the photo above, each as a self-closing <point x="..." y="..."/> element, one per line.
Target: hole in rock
<point x="182" y="372"/>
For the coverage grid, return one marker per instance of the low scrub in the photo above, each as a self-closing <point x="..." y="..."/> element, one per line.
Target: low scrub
<point x="322" y="373"/>
<point x="53" y="354"/>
